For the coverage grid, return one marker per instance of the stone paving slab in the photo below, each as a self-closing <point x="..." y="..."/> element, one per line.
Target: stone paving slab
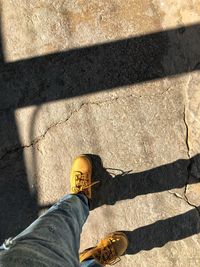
<point x="121" y="83"/>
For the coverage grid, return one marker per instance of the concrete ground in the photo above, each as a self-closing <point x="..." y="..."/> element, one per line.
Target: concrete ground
<point x="118" y="80"/>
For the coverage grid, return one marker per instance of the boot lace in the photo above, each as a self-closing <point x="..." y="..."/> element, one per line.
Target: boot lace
<point x="108" y="254"/>
<point x="82" y="182"/>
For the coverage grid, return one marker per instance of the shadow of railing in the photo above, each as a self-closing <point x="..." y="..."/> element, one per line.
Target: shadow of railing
<point x="74" y="73"/>
<point x="129" y="185"/>
<point x="101" y="67"/>
<point x="161" y="232"/>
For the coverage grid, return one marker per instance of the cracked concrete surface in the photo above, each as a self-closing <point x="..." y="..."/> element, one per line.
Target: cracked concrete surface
<point x="149" y="128"/>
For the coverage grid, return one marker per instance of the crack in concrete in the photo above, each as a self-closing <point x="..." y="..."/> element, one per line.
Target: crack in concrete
<point x="13" y="107"/>
<point x="187" y="139"/>
<point x="41" y="137"/>
<point x="187" y="133"/>
<point x="111" y="100"/>
<point x="190" y="204"/>
<point x="14" y="150"/>
<point x="185" y="199"/>
<point x="191" y="161"/>
<point x="177" y="195"/>
<point x="98" y="103"/>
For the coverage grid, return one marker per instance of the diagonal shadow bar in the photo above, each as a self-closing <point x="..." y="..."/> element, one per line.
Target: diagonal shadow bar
<point x="100" y="67"/>
<point x="18" y="206"/>
<point x="128" y="185"/>
<point x="163" y="231"/>
<point x="75" y="73"/>
<point x="162" y="178"/>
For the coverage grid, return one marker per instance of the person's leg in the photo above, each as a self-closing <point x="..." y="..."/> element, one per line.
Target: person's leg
<point x="53" y="239"/>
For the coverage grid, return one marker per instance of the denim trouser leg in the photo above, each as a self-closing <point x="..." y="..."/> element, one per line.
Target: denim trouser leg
<point x="53" y="239"/>
<point x="90" y="263"/>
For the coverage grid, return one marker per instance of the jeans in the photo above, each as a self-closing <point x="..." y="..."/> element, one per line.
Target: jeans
<point x="52" y="240"/>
